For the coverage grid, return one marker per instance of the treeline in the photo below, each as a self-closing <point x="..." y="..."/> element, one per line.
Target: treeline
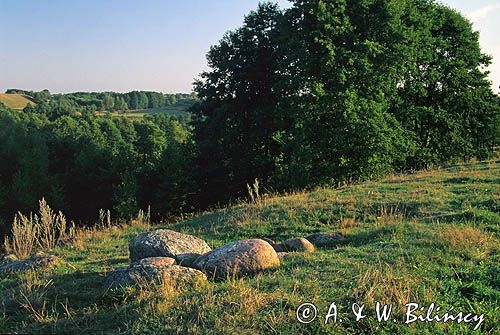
<point x="107" y="101"/>
<point x="332" y="90"/>
<point x="321" y="93"/>
<point x="82" y="163"/>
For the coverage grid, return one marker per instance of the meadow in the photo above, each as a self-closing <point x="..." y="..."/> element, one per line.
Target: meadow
<point x="426" y="237"/>
<point x="15" y="101"/>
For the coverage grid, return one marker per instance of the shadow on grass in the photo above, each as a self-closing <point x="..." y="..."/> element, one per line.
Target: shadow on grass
<point x="95" y="308"/>
<point x="366" y="237"/>
<point x="483" y="165"/>
<point x="445" y="218"/>
<point x="75" y="259"/>
<point x="202" y="223"/>
<point x="463" y="180"/>
<point x="71" y="303"/>
<point x="112" y="261"/>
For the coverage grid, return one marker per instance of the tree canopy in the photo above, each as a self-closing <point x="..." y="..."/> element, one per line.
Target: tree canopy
<point x="335" y="90"/>
<point x="83" y="163"/>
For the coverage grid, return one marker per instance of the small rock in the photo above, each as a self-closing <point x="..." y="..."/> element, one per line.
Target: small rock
<point x="147" y="273"/>
<point x="118" y="277"/>
<point x="238" y="258"/>
<point x="276" y="247"/>
<point x="39" y="261"/>
<point x="167" y="243"/>
<point x="325" y="240"/>
<point x="298" y="244"/>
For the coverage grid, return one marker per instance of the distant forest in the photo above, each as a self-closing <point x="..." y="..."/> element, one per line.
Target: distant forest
<point x="81" y="162"/>
<point x="322" y="93"/>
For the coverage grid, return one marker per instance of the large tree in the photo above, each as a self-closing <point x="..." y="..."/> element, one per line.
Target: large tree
<point x="446" y="100"/>
<point x="333" y="90"/>
<point x="340" y="66"/>
<point x="236" y="118"/>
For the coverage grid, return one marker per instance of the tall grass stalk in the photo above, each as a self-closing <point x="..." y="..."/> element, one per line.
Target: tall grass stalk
<point x="44" y="230"/>
<point x="23" y="240"/>
<point x="254" y="192"/>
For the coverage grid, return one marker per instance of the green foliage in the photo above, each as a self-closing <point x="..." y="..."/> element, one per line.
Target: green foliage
<point x="82" y="163"/>
<point x="237" y="116"/>
<point x="108" y="103"/>
<point x="332" y="91"/>
<point x="120" y="104"/>
<point x="24" y="170"/>
<point x="126" y="196"/>
<point x="134" y="100"/>
<point x="175" y="185"/>
<point x="142" y="100"/>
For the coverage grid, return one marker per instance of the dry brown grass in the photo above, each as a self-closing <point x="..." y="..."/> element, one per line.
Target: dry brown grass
<point x="44" y="230"/>
<point x="239" y="304"/>
<point x="347" y="223"/>
<point x="245" y="299"/>
<point x="468" y="239"/>
<point x="158" y="297"/>
<point x="389" y="284"/>
<point x="23" y="241"/>
<point x="240" y="217"/>
<point x="15" y="101"/>
<point x="104" y="219"/>
<point x="52" y="227"/>
<point x="85" y="234"/>
<point x="48" y="229"/>
<point x="236" y="304"/>
<point x="389" y="216"/>
<point x="142" y="220"/>
<point x="291" y="199"/>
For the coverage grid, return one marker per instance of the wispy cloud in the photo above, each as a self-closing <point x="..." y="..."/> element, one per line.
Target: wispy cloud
<point x="483" y="12"/>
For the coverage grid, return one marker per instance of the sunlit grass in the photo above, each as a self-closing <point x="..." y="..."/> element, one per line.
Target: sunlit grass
<point x="426" y="237"/>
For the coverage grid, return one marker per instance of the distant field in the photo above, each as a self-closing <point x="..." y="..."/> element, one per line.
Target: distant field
<point x="15" y="101"/>
<point x="178" y="109"/>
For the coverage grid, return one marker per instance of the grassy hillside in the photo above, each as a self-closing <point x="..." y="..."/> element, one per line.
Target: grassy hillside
<point x="15" y="101"/>
<point x="428" y="237"/>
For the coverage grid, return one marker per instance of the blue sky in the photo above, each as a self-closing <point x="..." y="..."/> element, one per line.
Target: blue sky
<point x="123" y="45"/>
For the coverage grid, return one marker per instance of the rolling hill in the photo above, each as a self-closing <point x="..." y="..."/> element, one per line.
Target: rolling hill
<point x="427" y="237"/>
<point x="15" y="101"/>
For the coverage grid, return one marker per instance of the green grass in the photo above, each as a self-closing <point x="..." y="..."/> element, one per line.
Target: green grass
<point x="15" y="101"/>
<point x="427" y="237"/>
